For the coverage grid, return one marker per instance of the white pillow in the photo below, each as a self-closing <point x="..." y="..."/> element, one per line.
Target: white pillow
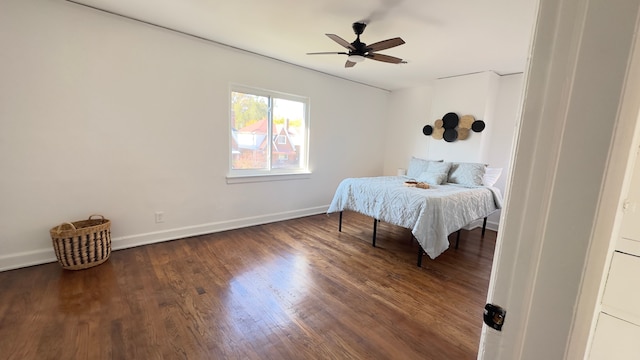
<point x="417" y="166"/>
<point x="491" y="175"/>
<point x="436" y="173"/>
<point x="467" y="174"/>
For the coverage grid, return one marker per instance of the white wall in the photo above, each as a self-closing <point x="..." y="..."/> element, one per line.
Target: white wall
<point x="473" y="94"/>
<point x="504" y="124"/>
<point x="503" y="131"/>
<point x="100" y="114"/>
<point x="408" y="114"/>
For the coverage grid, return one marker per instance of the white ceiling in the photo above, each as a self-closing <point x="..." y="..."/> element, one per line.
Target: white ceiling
<point x="443" y="37"/>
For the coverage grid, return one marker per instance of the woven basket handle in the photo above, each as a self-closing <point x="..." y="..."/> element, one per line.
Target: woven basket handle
<point x="96" y="215"/>
<point x="68" y="223"/>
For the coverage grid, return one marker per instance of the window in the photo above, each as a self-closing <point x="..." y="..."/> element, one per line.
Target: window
<point x="268" y="133"/>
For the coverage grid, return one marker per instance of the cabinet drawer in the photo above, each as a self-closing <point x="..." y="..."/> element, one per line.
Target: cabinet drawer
<point x="622" y="291"/>
<point x="615" y="339"/>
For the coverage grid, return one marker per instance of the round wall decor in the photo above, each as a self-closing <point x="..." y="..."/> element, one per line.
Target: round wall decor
<point x="452" y="128"/>
<point x="450" y="120"/>
<point x="478" y="126"/>
<point x="450" y="135"/>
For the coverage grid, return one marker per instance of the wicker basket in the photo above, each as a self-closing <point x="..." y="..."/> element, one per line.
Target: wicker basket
<point x="82" y="244"/>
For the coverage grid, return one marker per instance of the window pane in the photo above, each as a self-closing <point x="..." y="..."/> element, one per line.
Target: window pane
<point x="288" y="133"/>
<point x="249" y="131"/>
<point x="269" y="132"/>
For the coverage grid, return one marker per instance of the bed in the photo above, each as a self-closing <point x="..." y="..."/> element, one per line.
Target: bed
<point x="455" y="198"/>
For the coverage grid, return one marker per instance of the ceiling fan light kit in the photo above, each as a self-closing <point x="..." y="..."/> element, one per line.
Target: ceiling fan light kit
<point x="356" y="58"/>
<point x="359" y="51"/>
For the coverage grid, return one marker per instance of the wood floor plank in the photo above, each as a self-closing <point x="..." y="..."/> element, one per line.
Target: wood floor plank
<point x="297" y="289"/>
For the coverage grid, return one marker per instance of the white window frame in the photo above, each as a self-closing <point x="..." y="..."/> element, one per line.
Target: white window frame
<point x="259" y="175"/>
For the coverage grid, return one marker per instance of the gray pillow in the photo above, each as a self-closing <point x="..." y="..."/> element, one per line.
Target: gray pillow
<point x="468" y="174"/>
<point x="436" y="173"/>
<point x="417" y="166"/>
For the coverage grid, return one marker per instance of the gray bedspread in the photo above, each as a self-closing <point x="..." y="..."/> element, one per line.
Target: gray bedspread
<point x="431" y="214"/>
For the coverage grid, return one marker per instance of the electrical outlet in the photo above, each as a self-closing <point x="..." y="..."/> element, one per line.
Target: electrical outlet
<point x="159" y="216"/>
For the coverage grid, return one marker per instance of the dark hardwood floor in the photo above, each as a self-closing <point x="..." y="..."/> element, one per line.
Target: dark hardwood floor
<point x="296" y="289"/>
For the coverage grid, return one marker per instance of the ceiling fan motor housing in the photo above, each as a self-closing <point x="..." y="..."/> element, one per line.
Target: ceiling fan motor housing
<point x="360" y="47"/>
<point x="358" y="27"/>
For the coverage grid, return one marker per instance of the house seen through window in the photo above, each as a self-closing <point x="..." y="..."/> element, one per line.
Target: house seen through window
<point x="268" y="132"/>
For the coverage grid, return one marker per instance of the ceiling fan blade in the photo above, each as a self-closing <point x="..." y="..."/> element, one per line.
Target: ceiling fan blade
<point x="385" y="58"/>
<point x="328" y="53"/>
<point x="341" y="41"/>
<point x="349" y="64"/>
<point x="385" y="44"/>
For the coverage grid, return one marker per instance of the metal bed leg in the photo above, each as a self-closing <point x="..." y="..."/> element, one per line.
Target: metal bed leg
<point x="375" y="228"/>
<point x="419" y="256"/>
<point x="340" y="223"/>
<point x="457" y="239"/>
<point x="484" y="226"/>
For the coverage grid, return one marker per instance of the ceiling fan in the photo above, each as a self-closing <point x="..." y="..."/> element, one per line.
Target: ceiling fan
<point x="358" y="51"/>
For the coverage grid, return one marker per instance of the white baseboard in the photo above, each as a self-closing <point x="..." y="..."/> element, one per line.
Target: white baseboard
<point x="43" y="256"/>
<point x="27" y="258"/>
<point x="491" y="225"/>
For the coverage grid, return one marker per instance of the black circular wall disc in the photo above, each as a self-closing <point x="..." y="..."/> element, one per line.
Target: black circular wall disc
<point x="450" y="135"/>
<point x="450" y="120"/>
<point x="477" y="126"/>
<point x="427" y="130"/>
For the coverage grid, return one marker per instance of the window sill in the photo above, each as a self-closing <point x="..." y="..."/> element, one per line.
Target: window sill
<point x="243" y="179"/>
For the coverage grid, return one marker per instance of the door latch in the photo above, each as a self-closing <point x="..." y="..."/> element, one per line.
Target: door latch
<point x="494" y="316"/>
